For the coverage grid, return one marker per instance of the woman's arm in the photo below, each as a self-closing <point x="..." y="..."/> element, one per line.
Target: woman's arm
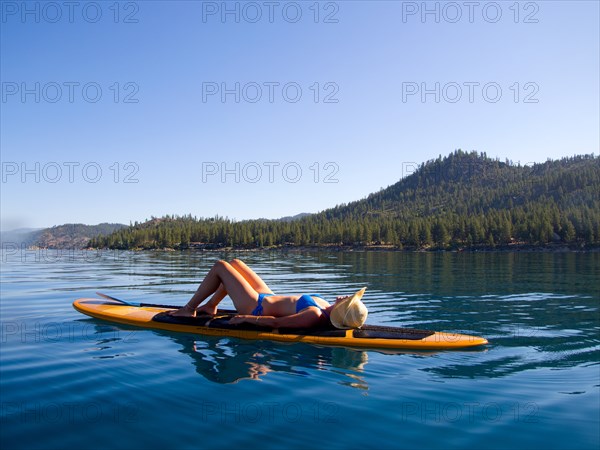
<point x="304" y="319"/>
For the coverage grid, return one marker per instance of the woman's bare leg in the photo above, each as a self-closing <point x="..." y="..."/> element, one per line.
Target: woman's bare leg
<point x="222" y="273"/>
<point x="210" y="307"/>
<point x="249" y="275"/>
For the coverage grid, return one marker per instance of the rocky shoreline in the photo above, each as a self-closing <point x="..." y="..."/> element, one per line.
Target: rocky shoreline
<point x="551" y="248"/>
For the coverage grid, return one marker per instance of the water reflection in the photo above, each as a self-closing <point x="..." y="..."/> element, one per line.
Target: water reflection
<point x="224" y="361"/>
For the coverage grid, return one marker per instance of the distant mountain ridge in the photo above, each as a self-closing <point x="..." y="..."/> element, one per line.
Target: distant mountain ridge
<point x="20" y="236"/>
<point x="294" y="217"/>
<point x="72" y="235"/>
<point x="465" y="200"/>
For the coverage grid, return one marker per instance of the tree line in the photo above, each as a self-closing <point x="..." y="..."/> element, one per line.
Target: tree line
<point x="464" y="200"/>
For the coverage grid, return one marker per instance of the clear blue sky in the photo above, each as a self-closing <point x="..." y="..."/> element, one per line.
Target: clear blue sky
<point x="371" y="58"/>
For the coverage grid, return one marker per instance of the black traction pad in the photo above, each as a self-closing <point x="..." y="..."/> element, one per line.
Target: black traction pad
<point x="365" y="332"/>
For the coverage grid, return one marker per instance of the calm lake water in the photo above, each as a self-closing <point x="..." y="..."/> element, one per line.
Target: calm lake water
<point x="72" y="382"/>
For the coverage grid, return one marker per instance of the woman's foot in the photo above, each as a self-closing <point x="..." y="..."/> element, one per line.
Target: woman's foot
<point x="186" y="311"/>
<point x="207" y="309"/>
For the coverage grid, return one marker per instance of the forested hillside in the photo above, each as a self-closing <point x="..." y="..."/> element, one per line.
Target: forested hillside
<point x="465" y="200"/>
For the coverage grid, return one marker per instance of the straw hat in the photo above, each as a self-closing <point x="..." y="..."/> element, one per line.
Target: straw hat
<point x="350" y="313"/>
